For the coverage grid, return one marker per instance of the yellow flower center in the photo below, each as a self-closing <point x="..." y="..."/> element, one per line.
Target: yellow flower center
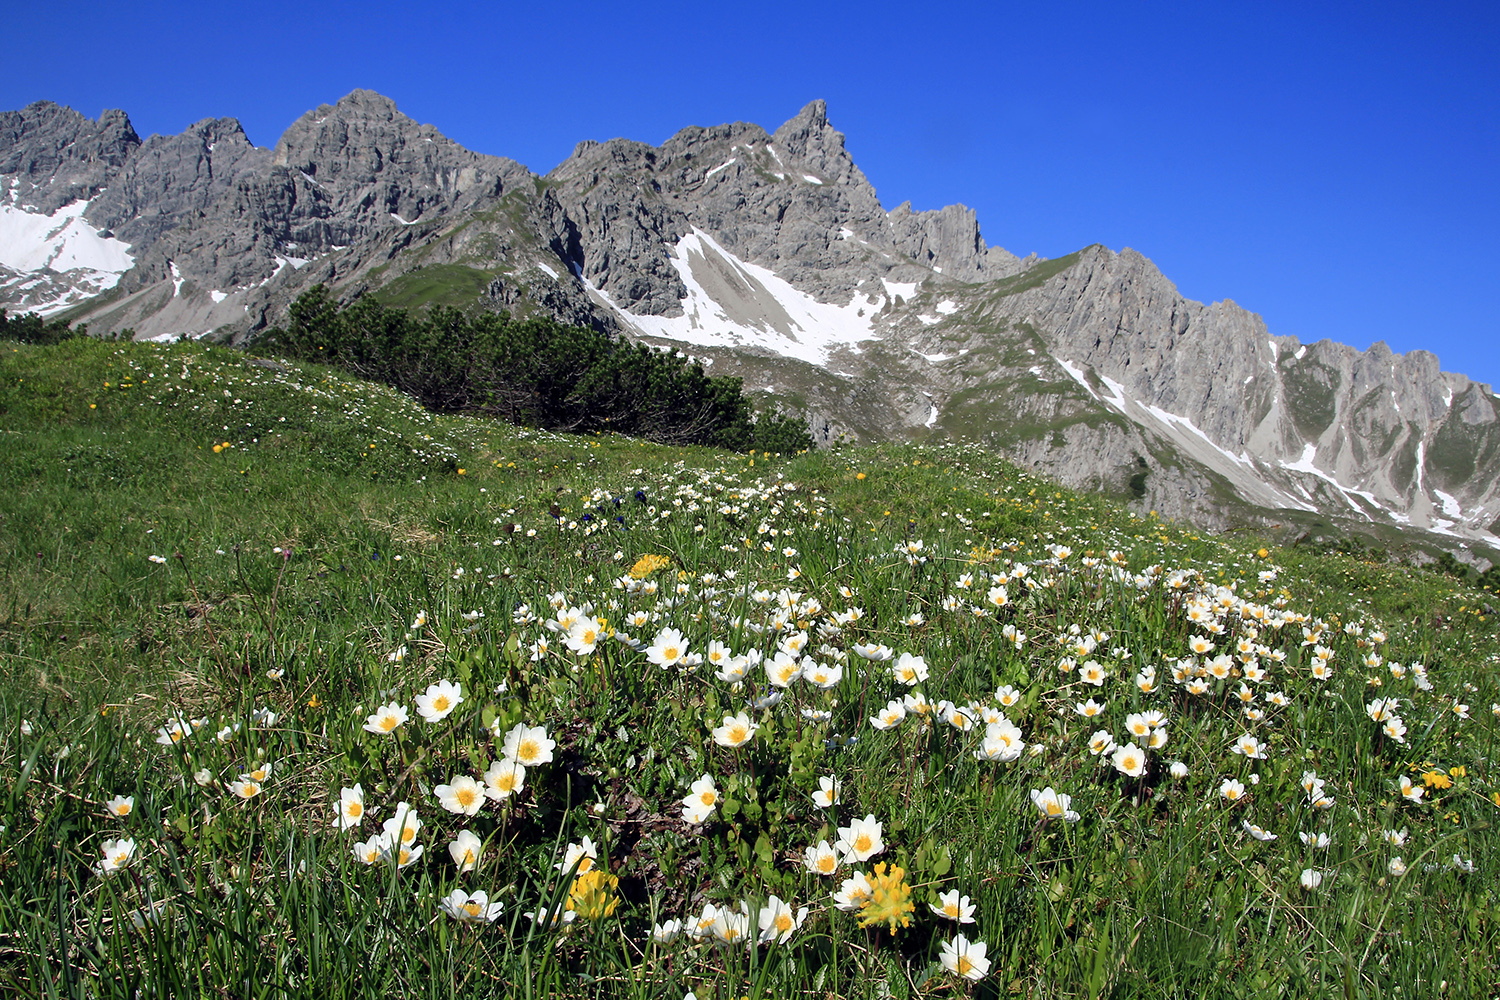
<point x="951" y="910"/>
<point x="708" y="798"/>
<point x="388" y="722"/>
<point x="408" y="834"/>
<point x="964" y="965"/>
<point x="1054" y="808"/>
<point x="507" y="782"/>
<point x="472" y="909"/>
<point x="355" y="809"/>
<point x="468" y="857"/>
<point x="862" y="843"/>
<point x="528" y="750"/>
<point x="465" y="797"/>
<point x="737" y="733"/>
<point x="440" y="703"/>
<point x="783" y="922"/>
<point x="827" y="864"/>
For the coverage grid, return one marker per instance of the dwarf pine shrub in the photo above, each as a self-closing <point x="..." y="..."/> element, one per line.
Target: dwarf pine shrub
<point x="535" y="372"/>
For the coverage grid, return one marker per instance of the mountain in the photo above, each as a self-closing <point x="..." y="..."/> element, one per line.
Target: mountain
<point x="768" y="256"/>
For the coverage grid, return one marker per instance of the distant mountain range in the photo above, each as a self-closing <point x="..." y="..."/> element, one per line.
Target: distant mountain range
<point x="769" y="256"/>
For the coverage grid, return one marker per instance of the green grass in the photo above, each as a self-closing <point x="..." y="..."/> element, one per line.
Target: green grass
<point x="306" y="578"/>
<point x="457" y="285"/>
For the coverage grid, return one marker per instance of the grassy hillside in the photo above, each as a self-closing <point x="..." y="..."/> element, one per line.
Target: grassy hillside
<point x="223" y="581"/>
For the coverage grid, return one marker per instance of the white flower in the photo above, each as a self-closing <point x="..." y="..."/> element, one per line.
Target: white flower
<point x="461" y="795"/>
<point x="118" y="854"/>
<point x="828" y="792"/>
<point x="860" y="840"/>
<point x="351" y="808"/>
<point x="909" y="670"/>
<point x="666" y="932"/>
<point x="1052" y="804"/>
<point x="120" y="805"/>
<point x="778" y="922"/>
<point x="1129" y="760"/>
<point x="1311" y="878"/>
<point x="439" y="700"/>
<point x="476" y="908"/>
<point x="964" y="958"/>
<point x="504" y="778"/>
<point x="1397" y="867"/>
<point x="702" y="800"/>
<point x="668" y="648"/>
<point x="386" y="718"/>
<point x="1258" y="832"/>
<point x="821" y="859"/>
<point x="1178" y="769"/>
<point x="464" y="849"/>
<point x="582" y="854"/>
<point x="736" y="731"/>
<point x="890" y="716"/>
<point x="853" y="892"/>
<point x="954" y="907"/>
<point x="528" y="744"/>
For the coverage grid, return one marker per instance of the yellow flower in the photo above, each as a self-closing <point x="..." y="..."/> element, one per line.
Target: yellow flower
<point x="648" y="564"/>
<point x="1436" y="779"/>
<point x="860" y="476"/>
<point x="592" y="895"/>
<point x="890" y="899"/>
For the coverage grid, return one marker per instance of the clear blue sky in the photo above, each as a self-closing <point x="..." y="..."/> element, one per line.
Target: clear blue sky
<point x="1333" y="167"/>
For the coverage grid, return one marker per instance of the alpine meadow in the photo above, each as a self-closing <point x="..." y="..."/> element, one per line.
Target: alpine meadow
<point x="310" y="691"/>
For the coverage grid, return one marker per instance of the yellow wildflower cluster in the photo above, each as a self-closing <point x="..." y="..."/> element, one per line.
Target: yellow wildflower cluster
<point x="890" y="899"/>
<point x="648" y="564"/>
<point x="593" y="894"/>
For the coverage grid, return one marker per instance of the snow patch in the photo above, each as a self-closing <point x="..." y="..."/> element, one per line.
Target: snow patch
<point x="62" y="243"/>
<point x="1450" y="505"/>
<point x="547" y="270"/>
<point x="1447" y="396"/>
<point x="176" y="278"/>
<point x="1301" y="353"/>
<point x="934" y="358"/>
<point x="404" y="222"/>
<point x="1078" y="376"/>
<point x="929" y="320"/>
<point x="905" y="289"/>
<point x="947" y="307"/>
<point x="933" y="416"/>
<point x="1275" y="352"/>
<point x="731" y="303"/>
<point x="845" y="233"/>
<point x="727" y="163"/>
<point x="1305" y="463"/>
<point x="218" y="296"/>
<point x="812" y="180"/>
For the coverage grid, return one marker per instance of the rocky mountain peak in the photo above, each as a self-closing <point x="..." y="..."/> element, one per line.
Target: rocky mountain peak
<point x="59" y="156"/>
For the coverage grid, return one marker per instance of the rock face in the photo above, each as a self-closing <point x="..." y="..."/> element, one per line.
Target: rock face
<point x="769" y="256"/>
